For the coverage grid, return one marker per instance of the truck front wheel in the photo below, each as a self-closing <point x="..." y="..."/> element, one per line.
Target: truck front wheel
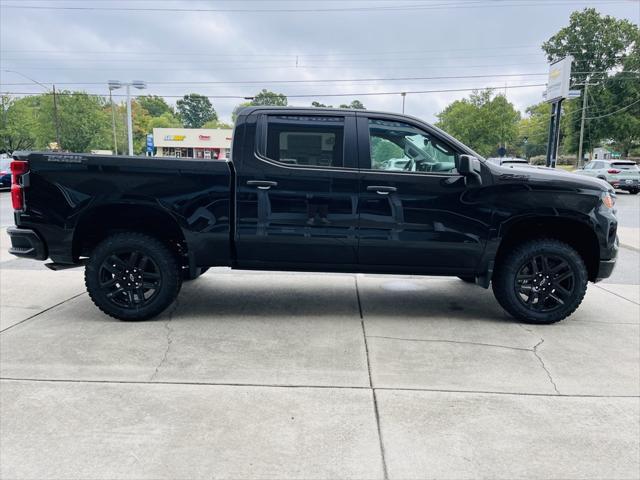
<point x="132" y="276"/>
<point x="540" y="281"/>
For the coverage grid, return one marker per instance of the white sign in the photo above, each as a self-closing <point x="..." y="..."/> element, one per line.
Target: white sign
<point x="559" y="79"/>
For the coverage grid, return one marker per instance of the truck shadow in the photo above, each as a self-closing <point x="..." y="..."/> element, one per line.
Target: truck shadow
<point x="271" y="296"/>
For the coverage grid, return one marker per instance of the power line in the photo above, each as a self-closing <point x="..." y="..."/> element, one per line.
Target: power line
<point x="614" y="112"/>
<point x="385" y="8"/>
<point x="348" y="80"/>
<point x="354" y="94"/>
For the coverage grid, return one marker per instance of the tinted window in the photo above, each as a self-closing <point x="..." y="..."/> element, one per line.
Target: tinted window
<point x="397" y="146"/>
<point x="316" y="141"/>
<point x="625" y="166"/>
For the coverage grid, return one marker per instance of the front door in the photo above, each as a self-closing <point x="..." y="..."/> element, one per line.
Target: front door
<point x="297" y="193"/>
<point x="416" y="213"/>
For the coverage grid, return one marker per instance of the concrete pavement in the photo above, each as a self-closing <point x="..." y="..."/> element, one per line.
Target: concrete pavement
<point x="256" y="375"/>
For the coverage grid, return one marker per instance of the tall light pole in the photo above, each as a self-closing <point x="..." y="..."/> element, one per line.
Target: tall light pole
<point x="140" y="85"/>
<point x="404" y="95"/>
<point x="113" y="123"/>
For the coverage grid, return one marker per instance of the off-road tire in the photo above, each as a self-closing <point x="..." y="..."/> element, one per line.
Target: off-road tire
<point x="166" y="271"/>
<point x="506" y="287"/>
<point x="634" y="191"/>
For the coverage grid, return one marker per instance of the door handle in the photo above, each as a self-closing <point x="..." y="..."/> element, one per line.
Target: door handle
<point x="262" y="184"/>
<point x="381" y="189"/>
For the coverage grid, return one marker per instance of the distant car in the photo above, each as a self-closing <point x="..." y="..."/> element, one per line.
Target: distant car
<point x="620" y="174"/>
<point x="5" y="172"/>
<point x="508" y="161"/>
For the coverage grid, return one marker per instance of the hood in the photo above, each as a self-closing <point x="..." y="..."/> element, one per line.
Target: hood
<point x="550" y="176"/>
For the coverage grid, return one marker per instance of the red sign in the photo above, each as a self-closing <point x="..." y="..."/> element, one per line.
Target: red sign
<point x="204" y="137"/>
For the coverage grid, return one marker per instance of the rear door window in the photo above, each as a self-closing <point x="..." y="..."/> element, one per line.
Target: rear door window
<point x="305" y="141"/>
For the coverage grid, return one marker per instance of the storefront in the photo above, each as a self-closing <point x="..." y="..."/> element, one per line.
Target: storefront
<point x="202" y="143"/>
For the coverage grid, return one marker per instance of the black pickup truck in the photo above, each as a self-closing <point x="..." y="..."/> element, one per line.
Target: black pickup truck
<point x="316" y="190"/>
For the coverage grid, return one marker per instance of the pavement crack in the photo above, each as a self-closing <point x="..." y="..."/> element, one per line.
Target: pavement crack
<point x="535" y="352"/>
<point x="167" y="326"/>
<point x="385" y="470"/>
<point x="462" y="342"/>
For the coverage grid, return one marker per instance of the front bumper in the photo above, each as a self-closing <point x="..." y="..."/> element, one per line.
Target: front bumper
<point x="26" y="243"/>
<point x="605" y="267"/>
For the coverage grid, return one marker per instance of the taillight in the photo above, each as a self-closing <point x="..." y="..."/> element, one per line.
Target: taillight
<point x="18" y="169"/>
<point x="613" y="170"/>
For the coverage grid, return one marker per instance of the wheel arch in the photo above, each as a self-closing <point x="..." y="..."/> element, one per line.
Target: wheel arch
<point x="102" y="221"/>
<point x="575" y="233"/>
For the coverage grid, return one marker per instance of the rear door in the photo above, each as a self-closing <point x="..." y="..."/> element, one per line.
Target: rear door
<point x="420" y="218"/>
<point x="297" y="187"/>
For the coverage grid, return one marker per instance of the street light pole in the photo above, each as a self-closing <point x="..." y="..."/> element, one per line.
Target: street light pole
<point x="115" y="84"/>
<point x="129" y="120"/>
<point x="113" y="123"/>
<point x="404" y="95"/>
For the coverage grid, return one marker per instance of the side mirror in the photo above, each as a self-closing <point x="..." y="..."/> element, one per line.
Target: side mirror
<point x="469" y="167"/>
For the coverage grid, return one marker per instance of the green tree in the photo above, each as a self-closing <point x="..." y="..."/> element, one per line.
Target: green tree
<point x="195" y="110"/>
<point x="265" y="97"/>
<point x="154" y="105"/>
<point x="533" y="130"/>
<point x="19" y="124"/>
<point x="598" y="44"/>
<point x="317" y="104"/>
<point x="355" y="104"/>
<point x="483" y="121"/>
<point x="166" y="120"/>
<point x="217" y="124"/>
<point x="83" y="119"/>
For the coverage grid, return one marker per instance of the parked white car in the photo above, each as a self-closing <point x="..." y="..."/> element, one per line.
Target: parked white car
<point x="621" y="174"/>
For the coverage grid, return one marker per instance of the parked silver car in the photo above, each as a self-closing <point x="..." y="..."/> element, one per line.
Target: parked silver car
<point x="621" y="174"/>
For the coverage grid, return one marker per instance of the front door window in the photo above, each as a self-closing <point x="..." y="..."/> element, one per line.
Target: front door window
<point x="397" y="146"/>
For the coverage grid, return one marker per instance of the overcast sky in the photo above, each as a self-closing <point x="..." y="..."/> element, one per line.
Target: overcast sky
<point x="269" y="41"/>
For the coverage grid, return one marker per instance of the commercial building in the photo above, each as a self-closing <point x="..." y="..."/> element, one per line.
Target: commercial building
<point x="203" y="143"/>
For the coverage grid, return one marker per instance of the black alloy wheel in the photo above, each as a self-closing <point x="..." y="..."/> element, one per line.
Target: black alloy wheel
<point x="544" y="283"/>
<point x="132" y="276"/>
<point x="540" y="281"/>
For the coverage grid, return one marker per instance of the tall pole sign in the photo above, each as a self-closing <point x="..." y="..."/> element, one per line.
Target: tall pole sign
<point x="557" y="90"/>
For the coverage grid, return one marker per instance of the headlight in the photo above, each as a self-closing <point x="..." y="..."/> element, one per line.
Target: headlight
<point x="608" y="200"/>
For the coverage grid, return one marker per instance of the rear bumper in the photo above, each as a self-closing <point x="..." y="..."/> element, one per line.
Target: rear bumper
<point x="26" y="243"/>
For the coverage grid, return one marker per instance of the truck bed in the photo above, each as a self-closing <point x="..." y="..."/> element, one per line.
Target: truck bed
<point x="79" y="192"/>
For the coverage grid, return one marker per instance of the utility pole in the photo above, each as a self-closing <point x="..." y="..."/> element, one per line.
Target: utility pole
<point x="584" y="113"/>
<point x="55" y="116"/>
<point x="404" y="96"/>
<point x="113" y="124"/>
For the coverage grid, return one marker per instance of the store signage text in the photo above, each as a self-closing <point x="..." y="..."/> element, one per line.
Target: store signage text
<point x="174" y="138"/>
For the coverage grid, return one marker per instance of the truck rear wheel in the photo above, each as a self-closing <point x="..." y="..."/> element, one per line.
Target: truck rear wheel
<point x="132" y="276"/>
<point x="540" y="281"/>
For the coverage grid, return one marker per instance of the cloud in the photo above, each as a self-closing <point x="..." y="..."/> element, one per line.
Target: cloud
<point x="94" y="46"/>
